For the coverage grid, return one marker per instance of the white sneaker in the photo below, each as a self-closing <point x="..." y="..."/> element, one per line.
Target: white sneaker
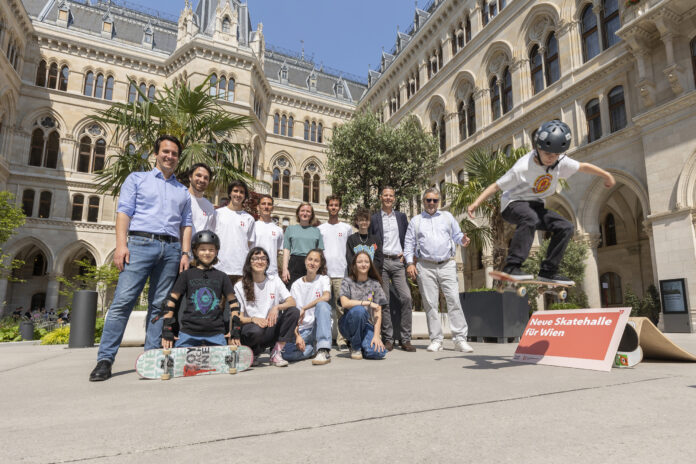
<point x="435" y="346"/>
<point x="322" y="357"/>
<point x="277" y="359"/>
<point x="461" y="345"/>
<point x="357" y="354"/>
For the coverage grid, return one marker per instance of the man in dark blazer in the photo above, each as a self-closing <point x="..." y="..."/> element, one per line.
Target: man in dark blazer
<point x="389" y="227"/>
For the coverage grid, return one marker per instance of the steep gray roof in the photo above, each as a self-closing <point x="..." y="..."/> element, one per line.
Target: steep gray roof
<point x="128" y="26"/>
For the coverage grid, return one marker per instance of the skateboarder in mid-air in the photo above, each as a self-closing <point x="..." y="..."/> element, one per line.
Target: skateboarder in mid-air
<point x="533" y="178"/>
<point x="203" y="321"/>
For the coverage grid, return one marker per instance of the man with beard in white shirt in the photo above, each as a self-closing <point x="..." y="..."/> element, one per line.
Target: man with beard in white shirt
<point x="202" y="211"/>
<point x="335" y="236"/>
<point x="235" y="227"/>
<point x="268" y="235"/>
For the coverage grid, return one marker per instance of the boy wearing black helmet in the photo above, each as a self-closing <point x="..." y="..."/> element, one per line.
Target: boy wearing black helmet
<point x="203" y="321"/>
<point x="533" y="178"/>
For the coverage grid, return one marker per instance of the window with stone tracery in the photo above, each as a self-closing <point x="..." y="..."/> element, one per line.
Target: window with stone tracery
<point x="92" y="149"/>
<point x="45" y="143"/>
<point x="281" y="179"/>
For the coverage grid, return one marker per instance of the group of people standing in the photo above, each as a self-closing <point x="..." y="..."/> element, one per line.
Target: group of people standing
<point x="331" y="288"/>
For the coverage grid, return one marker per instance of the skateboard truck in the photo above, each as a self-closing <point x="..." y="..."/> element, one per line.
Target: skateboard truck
<point x="232" y="359"/>
<point x="167" y="364"/>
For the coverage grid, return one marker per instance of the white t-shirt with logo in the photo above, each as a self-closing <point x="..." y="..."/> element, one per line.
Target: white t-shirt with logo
<point x="267" y="294"/>
<point x="236" y="230"/>
<point x="202" y="214"/>
<point x="306" y="292"/>
<point x="529" y="181"/>
<point x="335" y="237"/>
<point x="269" y="237"/>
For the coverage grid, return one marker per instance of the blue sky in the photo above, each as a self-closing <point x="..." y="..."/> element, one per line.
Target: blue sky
<point x="342" y="34"/>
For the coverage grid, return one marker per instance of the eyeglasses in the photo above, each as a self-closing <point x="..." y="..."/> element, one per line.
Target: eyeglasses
<point x="432" y="200"/>
<point x="259" y="259"/>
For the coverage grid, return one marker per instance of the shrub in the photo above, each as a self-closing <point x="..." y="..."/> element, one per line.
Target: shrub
<point x="9" y="331"/>
<point x="481" y="289"/>
<point x="565" y="306"/>
<point x="649" y="306"/>
<point x="61" y="336"/>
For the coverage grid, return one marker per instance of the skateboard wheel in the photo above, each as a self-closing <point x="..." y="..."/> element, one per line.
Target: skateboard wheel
<point x="233" y="347"/>
<point x="522" y="291"/>
<point x="562" y="294"/>
<point x="166" y="376"/>
<point x="233" y="370"/>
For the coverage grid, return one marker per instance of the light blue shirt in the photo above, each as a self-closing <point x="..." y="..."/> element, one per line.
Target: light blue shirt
<point x="155" y="205"/>
<point x="437" y="240"/>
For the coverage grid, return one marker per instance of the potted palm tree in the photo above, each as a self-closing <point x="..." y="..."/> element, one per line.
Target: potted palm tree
<point x="488" y="313"/>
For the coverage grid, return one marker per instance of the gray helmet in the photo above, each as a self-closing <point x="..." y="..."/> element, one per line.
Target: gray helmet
<point x="553" y="136"/>
<point x="205" y="236"/>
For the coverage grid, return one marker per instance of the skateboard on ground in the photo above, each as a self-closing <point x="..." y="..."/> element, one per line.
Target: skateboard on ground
<point x="187" y="362"/>
<point x="506" y="282"/>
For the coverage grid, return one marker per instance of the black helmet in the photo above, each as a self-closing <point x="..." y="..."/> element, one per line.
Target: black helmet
<point x="553" y="136"/>
<point x="205" y="236"/>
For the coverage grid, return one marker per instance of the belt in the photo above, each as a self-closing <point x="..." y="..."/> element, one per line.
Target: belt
<point x="392" y="257"/>
<point x="160" y="237"/>
<point x="435" y="262"/>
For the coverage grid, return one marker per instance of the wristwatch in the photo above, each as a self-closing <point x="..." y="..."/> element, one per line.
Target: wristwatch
<point x="187" y="253"/>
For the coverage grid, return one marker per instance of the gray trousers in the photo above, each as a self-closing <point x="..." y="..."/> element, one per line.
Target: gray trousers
<point x="394" y="273"/>
<point x="431" y="279"/>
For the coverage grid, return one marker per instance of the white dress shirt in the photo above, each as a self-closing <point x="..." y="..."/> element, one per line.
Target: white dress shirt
<point x="437" y="240"/>
<point x="390" y="226"/>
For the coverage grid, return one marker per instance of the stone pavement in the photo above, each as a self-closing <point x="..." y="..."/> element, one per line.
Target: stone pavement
<point x="411" y="407"/>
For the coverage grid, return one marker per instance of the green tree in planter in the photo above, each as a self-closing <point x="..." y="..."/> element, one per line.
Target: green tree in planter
<point x="11" y="218"/>
<point x="192" y="115"/>
<point x="572" y="265"/>
<point x="365" y="155"/>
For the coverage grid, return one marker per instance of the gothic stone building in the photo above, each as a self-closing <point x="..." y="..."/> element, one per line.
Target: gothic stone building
<point x="477" y="73"/>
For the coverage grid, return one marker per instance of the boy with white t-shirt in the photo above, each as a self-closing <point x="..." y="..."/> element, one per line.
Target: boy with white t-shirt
<point x="268" y="235"/>
<point x="312" y="293"/>
<point x="235" y="227"/>
<point x="202" y="211"/>
<point x="335" y="236"/>
<point x="533" y="178"/>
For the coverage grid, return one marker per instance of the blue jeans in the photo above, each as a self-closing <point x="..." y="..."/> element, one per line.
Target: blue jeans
<point x="356" y="328"/>
<point x="316" y="338"/>
<point x="185" y="340"/>
<point x="148" y="258"/>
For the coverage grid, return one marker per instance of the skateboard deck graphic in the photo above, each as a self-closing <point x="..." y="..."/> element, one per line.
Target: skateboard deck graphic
<point x="505" y="281"/>
<point x="188" y="362"/>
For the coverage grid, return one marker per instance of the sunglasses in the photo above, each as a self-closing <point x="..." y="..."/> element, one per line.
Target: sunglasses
<point x="258" y="259"/>
<point x="432" y="200"/>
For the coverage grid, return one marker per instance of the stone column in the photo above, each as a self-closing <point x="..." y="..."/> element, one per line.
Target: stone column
<point x="475" y="20"/>
<point x="446" y="45"/>
<point x="568" y="36"/>
<point x="522" y="86"/>
<point x="52" y="291"/>
<point x="591" y="282"/>
<point x="483" y="108"/>
<point x="488" y="265"/>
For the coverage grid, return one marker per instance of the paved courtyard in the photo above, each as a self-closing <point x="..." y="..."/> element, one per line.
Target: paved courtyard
<point x="420" y="407"/>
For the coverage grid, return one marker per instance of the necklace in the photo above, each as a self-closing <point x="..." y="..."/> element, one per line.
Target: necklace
<point x="361" y="240"/>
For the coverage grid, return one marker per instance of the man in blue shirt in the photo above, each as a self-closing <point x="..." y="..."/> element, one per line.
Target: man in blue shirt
<point x="432" y="238"/>
<point x="153" y="239"/>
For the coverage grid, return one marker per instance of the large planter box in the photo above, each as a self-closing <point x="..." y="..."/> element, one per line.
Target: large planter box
<point x="495" y="315"/>
<point x="135" y="329"/>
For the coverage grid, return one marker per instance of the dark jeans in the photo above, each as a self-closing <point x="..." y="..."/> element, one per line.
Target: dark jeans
<point x="297" y="269"/>
<point x="530" y="216"/>
<point x="394" y="274"/>
<point x="258" y="338"/>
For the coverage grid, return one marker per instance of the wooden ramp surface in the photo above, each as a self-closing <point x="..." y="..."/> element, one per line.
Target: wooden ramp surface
<point x="656" y="345"/>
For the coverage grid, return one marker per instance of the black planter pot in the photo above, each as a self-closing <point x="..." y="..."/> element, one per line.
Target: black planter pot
<point x="495" y="315"/>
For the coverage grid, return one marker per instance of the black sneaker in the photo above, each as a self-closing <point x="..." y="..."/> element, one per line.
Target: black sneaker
<point x="515" y="273"/>
<point x="101" y="372"/>
<point x="555" y="278"/>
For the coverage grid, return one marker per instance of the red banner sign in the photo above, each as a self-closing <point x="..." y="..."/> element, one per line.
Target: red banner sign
<point x="580" y="338"/>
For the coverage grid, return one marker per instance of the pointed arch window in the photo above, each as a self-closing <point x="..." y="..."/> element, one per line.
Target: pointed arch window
<point x="28" y="202"/>
<point x="306" y="186"/>
<point x="286" y="184"/>
<point x="222" y="88"/>
<point x="89" y="84"/>
<point x="213" y="85"/>
<point x="315" y="188"/>
<point x="471" y="116"/>
<point x="230" y="90"/>
<point x="99" y="86"/>
<point x="41" y="74"/>
<point x="291" y="126"/>
<point x="52" y="76"/>
<point x="507" y="91"/>
<point x="92" y="150"/>
<point x="306" y="129"/>
<point x="132" y="92"/>
<point x="78" y="204"/>
<point x="281" y="179"/>
<point x="283" y="125"/>
<point x="594" y="120"/>
<point x="276" y="124"/>
<point x="467" y="29"/>
<point x="461" y="114"/>
<point x="44" y="150"/>
<point x="314" y="131"/>
<point x="45" y="204"/>
<point x="320" y="133"/>
<point x="442" y="134"/>
<point x="93" y="211"/>
<point x="537" y="70"/>
<point x="226" y="25"/>
<point x="495" y="98"/>
<point x="590" y="34"/>
<point x="617" y="109"/>
<point x="276" y="183"/>
<point x="63" y="81"/>
<point x="143" y="92"/>
<point x="109" y="91"/>
<point x="151" y="93"/>
<point x="551" y="61"/>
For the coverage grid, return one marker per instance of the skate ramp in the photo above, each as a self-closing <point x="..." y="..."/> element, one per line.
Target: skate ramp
<point x="656" y="345"/>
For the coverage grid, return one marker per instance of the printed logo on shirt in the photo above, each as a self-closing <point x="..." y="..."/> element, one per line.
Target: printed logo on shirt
<point x="241" y="223"/>
<point x="204" y="300"/>
<point x="542" y="183"/>
<point x="272" y="296"/>
<point x="273" y="233"/>
<point x="317" y="294"/>
<point x="340" y="234"/>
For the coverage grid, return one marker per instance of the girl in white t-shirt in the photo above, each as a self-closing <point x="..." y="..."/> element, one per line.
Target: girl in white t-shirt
<point x="312" y="293"/>
<point x="268" y="313"/>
